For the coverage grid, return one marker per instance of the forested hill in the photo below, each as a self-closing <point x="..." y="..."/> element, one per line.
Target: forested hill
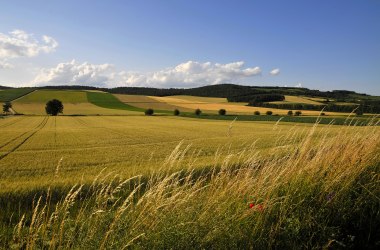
<point x="229" y="90"/>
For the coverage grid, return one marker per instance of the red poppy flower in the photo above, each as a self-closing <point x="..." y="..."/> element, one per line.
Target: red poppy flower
<point x="260" y="207"/>
<point x="251" y="205"/>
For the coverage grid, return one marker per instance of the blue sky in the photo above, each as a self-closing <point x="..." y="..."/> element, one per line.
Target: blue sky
<point x="315" y="44"/>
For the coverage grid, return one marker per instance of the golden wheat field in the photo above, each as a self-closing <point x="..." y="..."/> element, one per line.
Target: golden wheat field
<point x="133" y="182"/>
<point x="31" y="147"/>
<point x="146" y="102"/>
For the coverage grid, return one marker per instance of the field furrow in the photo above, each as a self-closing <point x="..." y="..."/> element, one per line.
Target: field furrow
<point x="24" y="140"/>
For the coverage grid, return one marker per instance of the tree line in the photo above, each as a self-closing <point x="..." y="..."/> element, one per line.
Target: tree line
<point x="364" y="107"/>
<point x="224" y="90"/>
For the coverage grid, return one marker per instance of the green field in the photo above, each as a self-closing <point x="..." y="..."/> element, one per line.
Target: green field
<point x="7" y="95"/>
<point x="107" y="100"/>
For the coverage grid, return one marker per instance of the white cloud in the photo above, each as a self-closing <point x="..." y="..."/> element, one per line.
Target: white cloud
<point x="186" y="74"/>
<point x="275" y="72"/>
<point x="73" y="73"/>
<point x="5" y="65"/>
<point x="298" y="85"/>
<point x="18" y="43"/>
<point x="189" y="73"/>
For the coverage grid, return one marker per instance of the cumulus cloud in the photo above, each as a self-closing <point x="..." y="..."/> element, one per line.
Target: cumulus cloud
<point x="274" y="72"/>
<point x="298" y="85"/>
<point x="5" y="65"/>
<point x="183" y="75"/>
<point x="74" y="73"/>
<point x="18" y="43"/>
<point x="190" y="73"/>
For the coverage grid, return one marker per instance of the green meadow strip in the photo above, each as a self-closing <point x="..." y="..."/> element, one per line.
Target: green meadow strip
<point x="107" y="100"/>
<point x="8" y="95"/>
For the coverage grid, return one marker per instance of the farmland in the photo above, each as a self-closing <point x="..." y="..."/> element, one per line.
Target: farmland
<point x="275" y="165"/>
<point x="212" y="105"/>
<point x="76" y="103"/>
<point x="187" y="175"/>
<point x="127" y="145"/>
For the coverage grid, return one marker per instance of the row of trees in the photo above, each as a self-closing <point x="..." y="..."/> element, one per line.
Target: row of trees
<point x="224" y="112"/>
<point x="176" y="112"/>
<point x="269" y="112"/>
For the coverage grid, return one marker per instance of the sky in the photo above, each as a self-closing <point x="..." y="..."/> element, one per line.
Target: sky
<point x="324" y="44"/>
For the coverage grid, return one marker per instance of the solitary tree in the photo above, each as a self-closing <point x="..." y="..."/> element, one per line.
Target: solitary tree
<point x="256" y="113"/>
<point x="176" y="112"/>
<point x="149" y="112"/>
<point x="198" y="112"/>
<point x="269" y="112"/>
<point x="290" y="112"/>
<point x="6" y="107"/>
<point x="222" y="112"/>
<point x="298" y="113"/>
<point x="53" y="107"/>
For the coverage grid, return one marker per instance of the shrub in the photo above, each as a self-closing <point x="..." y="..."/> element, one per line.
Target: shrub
<point x="256" y="113"/>
<point x="176" y="112"/>
<point x="290" y="112"/>
<point x="298" y="113"/>
<point x="53" y="107"/>
<point x="198" y="112"/>
<point x="269" y="112"/>
<point x="222" y="112"/>
<point x="359" y="112"/>
<point x="323" y="114"/>
<point x="6" y="107"/>
<point x="149" y="112"/>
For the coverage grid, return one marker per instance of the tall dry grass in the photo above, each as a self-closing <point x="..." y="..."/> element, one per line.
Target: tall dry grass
<point x="321" y="192"/>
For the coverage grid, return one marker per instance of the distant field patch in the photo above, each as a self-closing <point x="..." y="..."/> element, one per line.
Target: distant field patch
<point x="75" y="103"/>
<point x="232" y="108"/>
<point x="201" y="99"/>
<point x="145" y="102"/>
<point x="66" y="96"/>
<point x="298" y="99"/>
<point x="107" y="100"/>
<point x="7" y="95"/>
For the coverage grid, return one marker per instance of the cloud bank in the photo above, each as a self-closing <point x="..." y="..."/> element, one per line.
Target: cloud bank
<point x="74" y="73"/>
<point x="190" y="73"/>
<point x="18" y="43"/>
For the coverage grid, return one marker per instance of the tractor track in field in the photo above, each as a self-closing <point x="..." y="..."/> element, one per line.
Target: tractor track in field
<point x="11" y="123"/>
<point x="40" y="126"/>
<point x="17" y="137"/>
<point x="12" y="140"/>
